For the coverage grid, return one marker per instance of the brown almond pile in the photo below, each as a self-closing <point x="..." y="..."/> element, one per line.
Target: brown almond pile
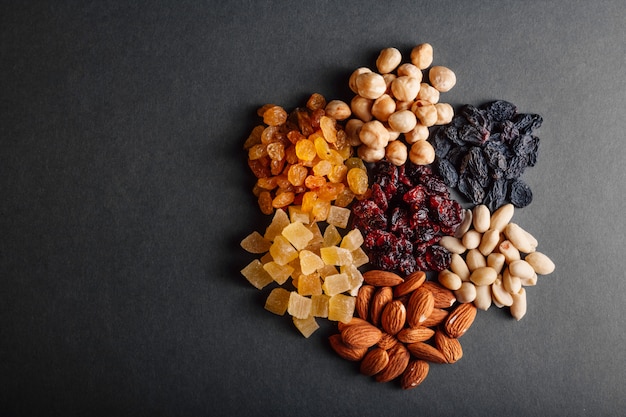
<point x="403" y="325"/>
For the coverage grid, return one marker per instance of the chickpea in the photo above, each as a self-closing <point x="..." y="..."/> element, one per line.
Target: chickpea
<point x="371" y="85"/>
<point x="354" y="75"/>
<point x="362" y="108"/>
<point x="338" y="110"/>
<point x="352" y="129"/>
<point x="419" y="132"/>
<point x="422" y="153"/>
<point x="409" y="70"/>
<point x="388" y="60"/>
<point x="426" y="112"/>
<point x="383" y="107"/>
<point x="402" y="121"/>
<point x="422" y="55"/>
<point x="445" y="113"/>
<point x="396" y="152"/>
<point x="405" y="88"/>
<point x="374" y="134"/>
<point x="368" y="154"/>
<point x="442" y="78"/>
<point x="429" y="93"/>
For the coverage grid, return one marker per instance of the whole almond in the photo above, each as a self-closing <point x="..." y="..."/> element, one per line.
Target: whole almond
<point x="362" y="335"/>
<point x="412" y="282"/>
<point x="399" y="358"/>
<point x="450" y="347"/>
<point x="363" y="300"/>
<point x="460" y="320"/>
<point x="354" y="320"/>
<point x="415" y="372"/>
<point x="345" y="351"/>
<point x="381" y="297"/>
<point x="415" y="334"/>
<point x="374" y="361"/>
<point x="393" y="317"/>
<point x="380" y="278"/>
<point x="426" y="352"/>
<point x="420" y="306"/>
<point x="437" y="317"/>
<point x="444" y="298"/>
<point x="387" y="341"/>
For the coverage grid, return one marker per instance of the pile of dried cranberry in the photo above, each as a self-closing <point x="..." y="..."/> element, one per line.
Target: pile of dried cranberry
<point x="408" y="211"/>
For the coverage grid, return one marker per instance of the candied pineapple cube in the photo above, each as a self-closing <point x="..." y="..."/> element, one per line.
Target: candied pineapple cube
<point x="355" y="276"/>
<point x="297" y="215"/>
<point x="256" y="243"/>
<point x="331" y="236"/>
<point x="256" y="275"/>
<point x="306" y="326"/>
<point x="327" y="270"/>
<point x="277" y="301"/>
<point x="316" y="242"/>
<point x="359" y="257"/>
<point x="338" y="216"/>
<point x="279" y="273"/>
<point x="335" y="255"/>
<point x="336" y="284"/>
<point x="282" y="252"/>
<point x="310" y="262"/>
<point x="319" y="305"/>
<point x="299" y="306"/>
<point x="320" y="210"/>
<point x="341" y="308"/>
<point x="298" y="235"/>
<point x="309" y="284"/>
<point x="352" y="240"/>
<point x="279" y="222"/>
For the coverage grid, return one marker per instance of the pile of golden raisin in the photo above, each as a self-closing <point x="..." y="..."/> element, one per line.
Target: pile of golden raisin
<point x="304" y="158"/>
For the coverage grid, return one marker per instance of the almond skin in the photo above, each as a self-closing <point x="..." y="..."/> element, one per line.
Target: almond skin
<point x="412" y="282"/>
<point x="381" y="297"/>
<point x="345" y="351"/>
<point x="379" y="278"/>
<point x="414" y="374"/>
<point x="387" y="341"/>
<point x="426" y="352"/>
<point x="361" y="335"/>
<point x="363" y="300"/>
<point x="450" y="347"/>
<point x="393" y="317"/>
<point x="399" y="358"/>
<point x="444" y="298"/>
<point x="354" y="320"/>
<point x="415" y="334"/>
<point x="374" y="361"/>
<point x="460" y="320"/>
<point x="420" y="306"/>
<point x="437" y="317"/>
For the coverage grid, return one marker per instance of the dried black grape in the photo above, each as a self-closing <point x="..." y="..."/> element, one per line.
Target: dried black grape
<point x="474" y="116"/>
<point x="471" y="189"/>
<point x="497" y="194"/>
<point x="499" y="110"/>
<point x="447" y="172"/>
<point x="520" y="194"/>
<point x="526" y="123"/>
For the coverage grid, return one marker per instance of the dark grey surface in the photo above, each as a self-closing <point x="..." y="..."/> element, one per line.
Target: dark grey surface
<point x="124" y="194"/>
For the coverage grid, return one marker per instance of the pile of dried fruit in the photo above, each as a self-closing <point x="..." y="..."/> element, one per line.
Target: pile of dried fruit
<point x="354" y="211"/>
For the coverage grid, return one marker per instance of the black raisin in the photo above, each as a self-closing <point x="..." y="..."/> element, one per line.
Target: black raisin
<point x="520" y="194"/>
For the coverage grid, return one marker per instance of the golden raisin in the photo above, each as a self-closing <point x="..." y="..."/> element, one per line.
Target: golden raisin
<point x="275" y="116"/>
<point x="259" y="168"/>
<point x="276" y="151"/>
<point x="316" y="101"/>
<point x="254" y="138"/>
<point x="261" y="110"/>
<point x="330" y="190"/>
<point x="308" y="201"/>
<point x="338" y="173"/>
<point x="283" y="199"/>
<point x="276" y="166"/>
<point x="269" y="133"/>
<point x="267" y="183"/>
<point x="257" y="151"/>
<point x="322" y="168"/>
<point x="327" y="125"/>
<point x="357" y="180"/>
<point x="265" y="202"/>
<point x="305" y="150"/>
<point x="314" y="181"/>
<point x="296" y="174"/>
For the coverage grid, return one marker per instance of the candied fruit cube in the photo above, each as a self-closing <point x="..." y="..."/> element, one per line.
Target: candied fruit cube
<point x="341" y="308"/>
<point x="319" y="305"/>
<point x="299" y="306"/>
<point x="355" y="276"/>
<point x="298" y="235"/>
<point x="256" y="275"/>
<point x="334" y="255"/>
<point x="256" y="243"/>
<point x="327" y="270"/>
<point x="297" y="215"/>
<point x="277" y="301"/>
<point x="309" y="284"/>
<point x="320" y="210"/>
<point x="282" y="252"/>
<point x="306" y="326"/>
<point x="279" y="222"/>
<point x="352" y="240"/>
<point x="338" y="216"/>
<point x="359" y="257"/>
<point x="332" y="237"/>
<point x="310" y="262"/>
<point x="344" y="198"/>
<point x="336" y="284"/>
<point x="279" y="273"/>
<point x="318" y="238"/>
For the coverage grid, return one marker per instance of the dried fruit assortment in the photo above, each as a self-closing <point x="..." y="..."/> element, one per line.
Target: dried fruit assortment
<point x="365" y="231"/>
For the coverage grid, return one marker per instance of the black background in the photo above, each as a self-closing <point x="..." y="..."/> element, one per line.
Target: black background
<point x="124" y="193"/>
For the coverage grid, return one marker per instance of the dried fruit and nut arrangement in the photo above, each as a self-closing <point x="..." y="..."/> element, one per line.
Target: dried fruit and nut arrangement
<point x="365" y="231"/>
